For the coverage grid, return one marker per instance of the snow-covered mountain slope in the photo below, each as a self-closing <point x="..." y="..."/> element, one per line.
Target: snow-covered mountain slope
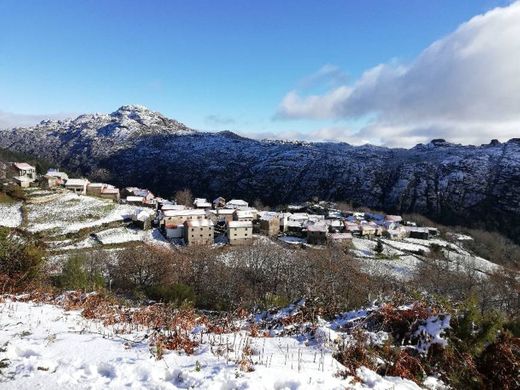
<point x="471" y="185"/>
<point x="44" y="346"/>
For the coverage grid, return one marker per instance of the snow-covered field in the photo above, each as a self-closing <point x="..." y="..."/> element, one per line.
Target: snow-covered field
<point x="10" y="214"/>
<point x="123" y="234"/>
<point x="400" y="259"/>
<point x="70" y="213"/>
<point x="43" y="346"/>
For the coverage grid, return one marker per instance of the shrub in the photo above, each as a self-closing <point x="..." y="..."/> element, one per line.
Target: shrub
<point x="15" y="192"/>
<point x="379" y="248"/>
<point x="499" y="363"/>
<point x="177" y="294"/>
<point x="21" y="257"/>
<point x="76" y="275"/>
<point x="472" y="330"/>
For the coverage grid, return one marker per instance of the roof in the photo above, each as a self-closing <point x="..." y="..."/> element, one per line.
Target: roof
<point x="134" y="199"/>
<point x="96" y="185"/>
<point x="298" y="216"/>
<point x="76" y="182"/>
<point x="199" y="223"/>
<point x="143" y="193"/>
<point x="171" y="206"/>
<point x="240" y="224"/>
<point x="54" y="173"/>
<point x="246" y="213"/>
<point x="142" y="214"/>
<point x="110" y="190"/>
<point x="352" y="227"/>
<point x="201" y="202"/>
<point x="23" y="166"/>
<point x="340" y="236"/>
<point x="269" y="215"/>
<point x="237" y="203"/>
<point x="318" y="227"/>
<point x="49" y="177"/>
<point x="183" y="213"/>
<point x="225" y="211"/>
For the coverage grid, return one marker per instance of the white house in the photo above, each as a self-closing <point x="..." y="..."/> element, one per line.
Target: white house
<point x="79" y="186"/>
<point x="201" y="203"/>
<point x="237" y="204"/>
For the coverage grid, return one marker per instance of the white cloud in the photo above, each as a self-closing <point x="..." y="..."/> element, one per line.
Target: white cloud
<point x="464" y="87"/>
<point x="9" y="120"/>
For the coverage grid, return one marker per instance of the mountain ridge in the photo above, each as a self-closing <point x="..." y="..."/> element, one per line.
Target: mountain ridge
<point x="471" y="185"/>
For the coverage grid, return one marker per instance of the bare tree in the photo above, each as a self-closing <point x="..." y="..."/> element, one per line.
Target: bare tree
<point x="184" y="197"/>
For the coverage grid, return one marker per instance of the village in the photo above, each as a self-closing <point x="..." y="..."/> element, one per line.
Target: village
<point x="233" y="222"/>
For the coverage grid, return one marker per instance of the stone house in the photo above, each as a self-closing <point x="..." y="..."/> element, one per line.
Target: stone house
<point x="178" y="217"/>
<point x="397" y="233"/>
<point x="25" y="174"/>
<point x="317" y="234"/>
<point x="56" y="173"/>
<point x="339" y="239"/>
<point x="49" y="182"/>
<point x="103" y="190"/>
<point x="110" y="192"/>
<point x="198" y="232"/>
<point x="219" y="202"/>
<point x="240" y="232"/>
<point x="148" y="196"/>
<point x="368" y="230"/>
<point x="245" y="215"/>
<point x="143" y="218"/>
<point x="418" y="232"/>
<point x="269" y="224"/>
<point x="201" y="203"/>
<point x="79" y="186"/>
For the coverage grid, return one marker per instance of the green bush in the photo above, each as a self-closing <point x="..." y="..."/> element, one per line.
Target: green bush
<point x="176" y="294"/>
<point x="77" y="275"/>
<point x="21" y="256"/>
<point x="472" y="330"/>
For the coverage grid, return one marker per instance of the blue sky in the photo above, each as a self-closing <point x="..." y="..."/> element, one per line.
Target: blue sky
<point x="210" y="64"/>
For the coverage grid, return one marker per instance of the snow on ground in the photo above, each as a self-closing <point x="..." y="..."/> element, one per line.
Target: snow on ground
<point x="43" y="346"/>
<point x="406" y="246"/>
<point x="70" y="213"/>
<point x="293" y="240"/>
<point x="10" y="214"/>
<point x="402" y="268"/>
<point x="123" y="234"/>
<point x="399" y="258"/>
<point x="363" y="247"/>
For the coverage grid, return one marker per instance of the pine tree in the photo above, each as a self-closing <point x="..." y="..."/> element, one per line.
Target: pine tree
<point x="379" y="247"/>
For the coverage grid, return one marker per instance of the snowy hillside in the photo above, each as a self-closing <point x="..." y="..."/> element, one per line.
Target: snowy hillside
<point x="44" y="344"/>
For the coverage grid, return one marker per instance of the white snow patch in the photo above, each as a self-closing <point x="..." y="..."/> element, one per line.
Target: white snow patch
<point x="10" y="214"/>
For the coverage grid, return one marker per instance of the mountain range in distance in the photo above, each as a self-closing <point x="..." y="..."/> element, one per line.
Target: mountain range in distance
<point x="476" y="186"/>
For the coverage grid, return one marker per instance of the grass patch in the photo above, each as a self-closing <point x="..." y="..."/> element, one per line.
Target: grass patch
<point x="6" y="199"/>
